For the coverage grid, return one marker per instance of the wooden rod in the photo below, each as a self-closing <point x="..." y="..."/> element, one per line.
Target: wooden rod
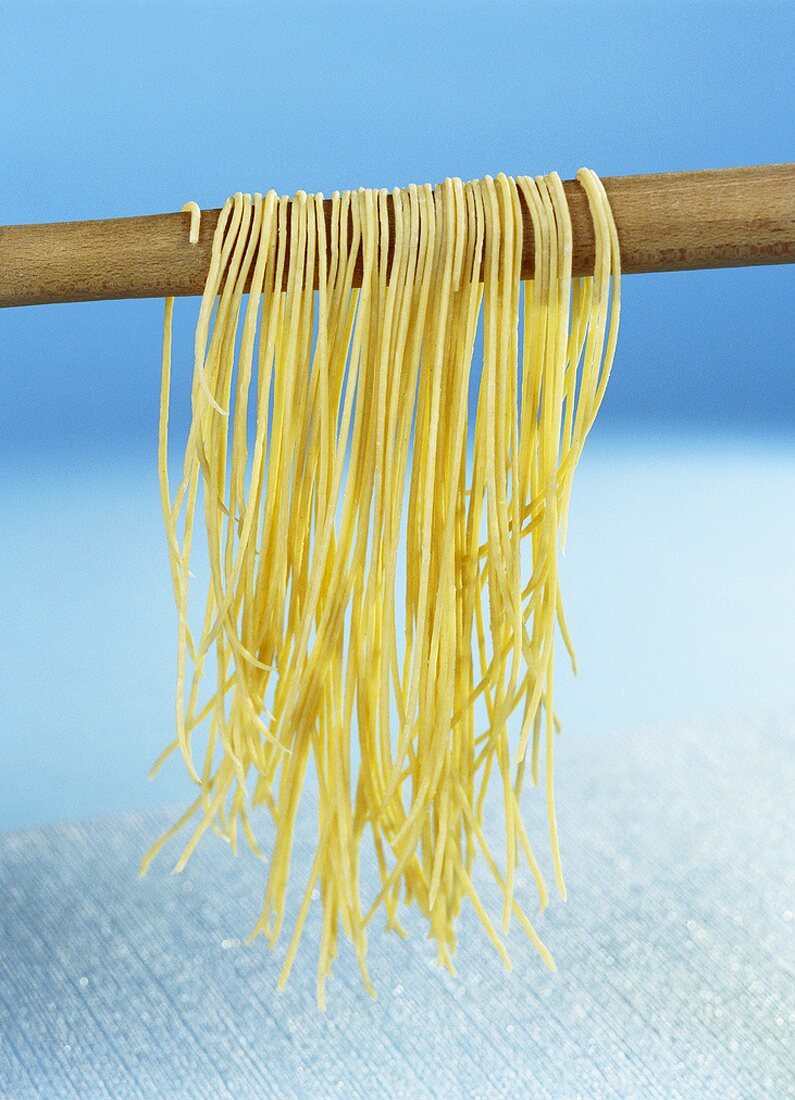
<point x="676" y="221"/>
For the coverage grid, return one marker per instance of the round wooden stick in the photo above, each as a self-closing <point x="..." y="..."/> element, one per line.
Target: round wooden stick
<point x="676" y="221"/>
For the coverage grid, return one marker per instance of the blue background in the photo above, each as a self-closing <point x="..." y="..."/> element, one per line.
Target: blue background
<point x="680" y="589"/>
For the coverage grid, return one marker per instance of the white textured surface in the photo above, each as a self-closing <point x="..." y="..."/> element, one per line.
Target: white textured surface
<point x="675" y="956"/>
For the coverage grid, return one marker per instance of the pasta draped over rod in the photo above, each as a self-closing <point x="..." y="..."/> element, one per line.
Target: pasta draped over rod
<point x="383" y="594"/>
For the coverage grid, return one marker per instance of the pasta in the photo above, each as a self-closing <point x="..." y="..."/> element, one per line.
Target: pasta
<point x="327" y="454"/>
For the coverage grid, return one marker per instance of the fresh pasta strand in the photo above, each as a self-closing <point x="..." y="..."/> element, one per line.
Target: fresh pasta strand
<point x="327" y="457"/>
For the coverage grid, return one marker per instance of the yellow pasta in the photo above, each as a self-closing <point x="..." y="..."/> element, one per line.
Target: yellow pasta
<point x="384" y="600"/>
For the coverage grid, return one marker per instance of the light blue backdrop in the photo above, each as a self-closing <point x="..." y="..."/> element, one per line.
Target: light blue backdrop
<point x="133" y="108"/>
<point x="680" y="593"/>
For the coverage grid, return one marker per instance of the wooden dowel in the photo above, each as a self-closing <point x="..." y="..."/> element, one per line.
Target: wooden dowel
<point x="676" y="221"/>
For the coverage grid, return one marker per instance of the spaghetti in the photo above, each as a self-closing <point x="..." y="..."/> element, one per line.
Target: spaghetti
<point x="327" y="454"/>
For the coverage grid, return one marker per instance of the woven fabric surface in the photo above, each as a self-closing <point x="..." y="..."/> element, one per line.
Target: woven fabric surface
<point x="674" y="954"/>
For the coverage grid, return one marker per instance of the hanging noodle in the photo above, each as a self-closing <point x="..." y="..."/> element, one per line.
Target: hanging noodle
<point x="328" y="445"/>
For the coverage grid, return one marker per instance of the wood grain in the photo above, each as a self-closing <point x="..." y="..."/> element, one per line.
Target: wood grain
<point x="676" y="221"/>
